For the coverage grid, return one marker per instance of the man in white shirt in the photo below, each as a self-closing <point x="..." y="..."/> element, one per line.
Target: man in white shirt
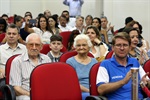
<point x="10" y="48"/>
<point x="79" y="24"/>
<point x="109" y="29"/>
<point x="63" y="24"/>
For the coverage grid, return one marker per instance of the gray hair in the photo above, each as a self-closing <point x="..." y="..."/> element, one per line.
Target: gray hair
<point x="33" y="35"/>
<point x="79" y="17"/>
<point x="81" y="37"/>
<point x="103" y="17"/>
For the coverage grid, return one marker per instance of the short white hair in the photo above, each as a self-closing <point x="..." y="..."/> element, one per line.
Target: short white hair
<point x="81" y="37"/>
<point x="33" y="35"/>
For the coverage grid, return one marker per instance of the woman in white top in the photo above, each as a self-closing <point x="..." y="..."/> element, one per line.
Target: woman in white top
<point x="99" y="48"/>
<point x="43" y="29"/>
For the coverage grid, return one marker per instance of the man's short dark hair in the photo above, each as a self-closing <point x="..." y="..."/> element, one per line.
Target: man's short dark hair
<point x="128" y="19"/>
<point x="56" y="38"/>
<point x="13" y="26"/>
<point x="5" y="15"/>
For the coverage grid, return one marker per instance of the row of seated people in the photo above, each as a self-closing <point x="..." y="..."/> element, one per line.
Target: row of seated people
<point x="81" y="44"/>
<point x="142" y="44"/>
<point x="99" y="43"/>
<point x="83" y="63"/>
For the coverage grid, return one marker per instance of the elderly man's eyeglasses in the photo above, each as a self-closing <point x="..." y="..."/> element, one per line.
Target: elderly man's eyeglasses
<point x="121" y="45"/>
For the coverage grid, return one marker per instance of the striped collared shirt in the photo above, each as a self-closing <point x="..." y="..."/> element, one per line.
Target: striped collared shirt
<point x="21" y="70"/>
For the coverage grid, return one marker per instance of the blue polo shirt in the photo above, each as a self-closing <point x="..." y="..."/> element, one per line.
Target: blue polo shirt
<point x="117" y="72"/>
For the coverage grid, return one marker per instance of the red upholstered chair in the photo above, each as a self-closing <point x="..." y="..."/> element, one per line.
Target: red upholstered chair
<point x="69" y="54"/>
<point x="146" y="67"/>
<point x="11" y="19"/>
<point x="46" y="49"/>
<point x="92" y="79"/>
<point x="54" y="81"/>
<point x="65" y="35"/>
<point x="8" y="66"/>
<point x="11" y="94"/>
<point x="109" y="54"/>
<point x="2" y="36"/>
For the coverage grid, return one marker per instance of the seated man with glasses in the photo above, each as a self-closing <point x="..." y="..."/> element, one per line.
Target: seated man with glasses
<point x="114" y="75"/>
<point x="24" y="64"/>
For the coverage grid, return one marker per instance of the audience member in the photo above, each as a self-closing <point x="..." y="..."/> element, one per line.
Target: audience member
<point x="63" y="24"/>
<point x="54" y="25"/>
<point x="55" y="45"/>
<point x="26" y="16"/>
<point x="74" y="7"/>
<point x="97" y="23"/>
<point x="82" y="63"/>
<point x="11" y="47"/>
<point x="114" y="75"/>
<point x="79" y="24"/>
<point x="70" y="21"/>
<point x="56" y="17"/>
<point x="18" y="20"/>
<point x="5" y="16"/>
<point x="23" y="33"/>
<point x="134" y="51"/>
<point x="143" y="44"/>
<point x="109" y="29"/>
<point x="99" y="49"/>
<point x="73" y="34"/>
<point x="88" y="20"/>
<point x="127" y="20"/>
<point x="23" y="65"/>
<point x="47" y="13"/>
<point x="43" y="29"/>
<point x="3" y="26"/>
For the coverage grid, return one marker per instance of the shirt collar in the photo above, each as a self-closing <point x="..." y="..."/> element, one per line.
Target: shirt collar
<point x="8" y="47"/>
<point x="129" y="62"/>
<point x="26" y="57"/>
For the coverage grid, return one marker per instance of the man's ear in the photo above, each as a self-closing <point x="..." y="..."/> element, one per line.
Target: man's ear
<point x="41" y="46"/>
<point x="62" y="46"/>
<point x="50" y="45"/>
<point x="112" y="48"/>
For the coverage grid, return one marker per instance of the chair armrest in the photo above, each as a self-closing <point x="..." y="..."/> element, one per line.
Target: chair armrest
<point x="92" y="97"/>
<point x="8" y="92"/>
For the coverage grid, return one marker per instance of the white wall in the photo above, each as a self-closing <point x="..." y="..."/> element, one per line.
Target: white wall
<point x="4" y="7"/>
<point x="93" y="7"/>
<point x="118" y="10"/>
<point x="115" y="10"/>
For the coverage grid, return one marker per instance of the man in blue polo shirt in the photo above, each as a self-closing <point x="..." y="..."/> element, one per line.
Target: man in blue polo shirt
<point x="114" y="75"/>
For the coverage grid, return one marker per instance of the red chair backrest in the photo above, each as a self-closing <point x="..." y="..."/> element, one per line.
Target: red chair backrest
<point x="54" y="81"/>
<point x="146" y="67"/>
<point x="69" y="54"/>
<point x="2" y="36"/>
<point x="109" y="54"/>
<point x="92" y="79"/>
<point x="8" y="66"/>
<point x="11" y="19"/>
<point x="46" y="49"/>
<point x="65" y="35"/>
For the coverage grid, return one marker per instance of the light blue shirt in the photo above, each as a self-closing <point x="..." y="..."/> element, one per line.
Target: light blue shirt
<point x="74" y="6"/>
<point x="82" y="70"/>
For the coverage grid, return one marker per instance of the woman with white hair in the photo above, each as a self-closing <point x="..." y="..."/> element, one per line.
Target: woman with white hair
<point x="82" y="63"/>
